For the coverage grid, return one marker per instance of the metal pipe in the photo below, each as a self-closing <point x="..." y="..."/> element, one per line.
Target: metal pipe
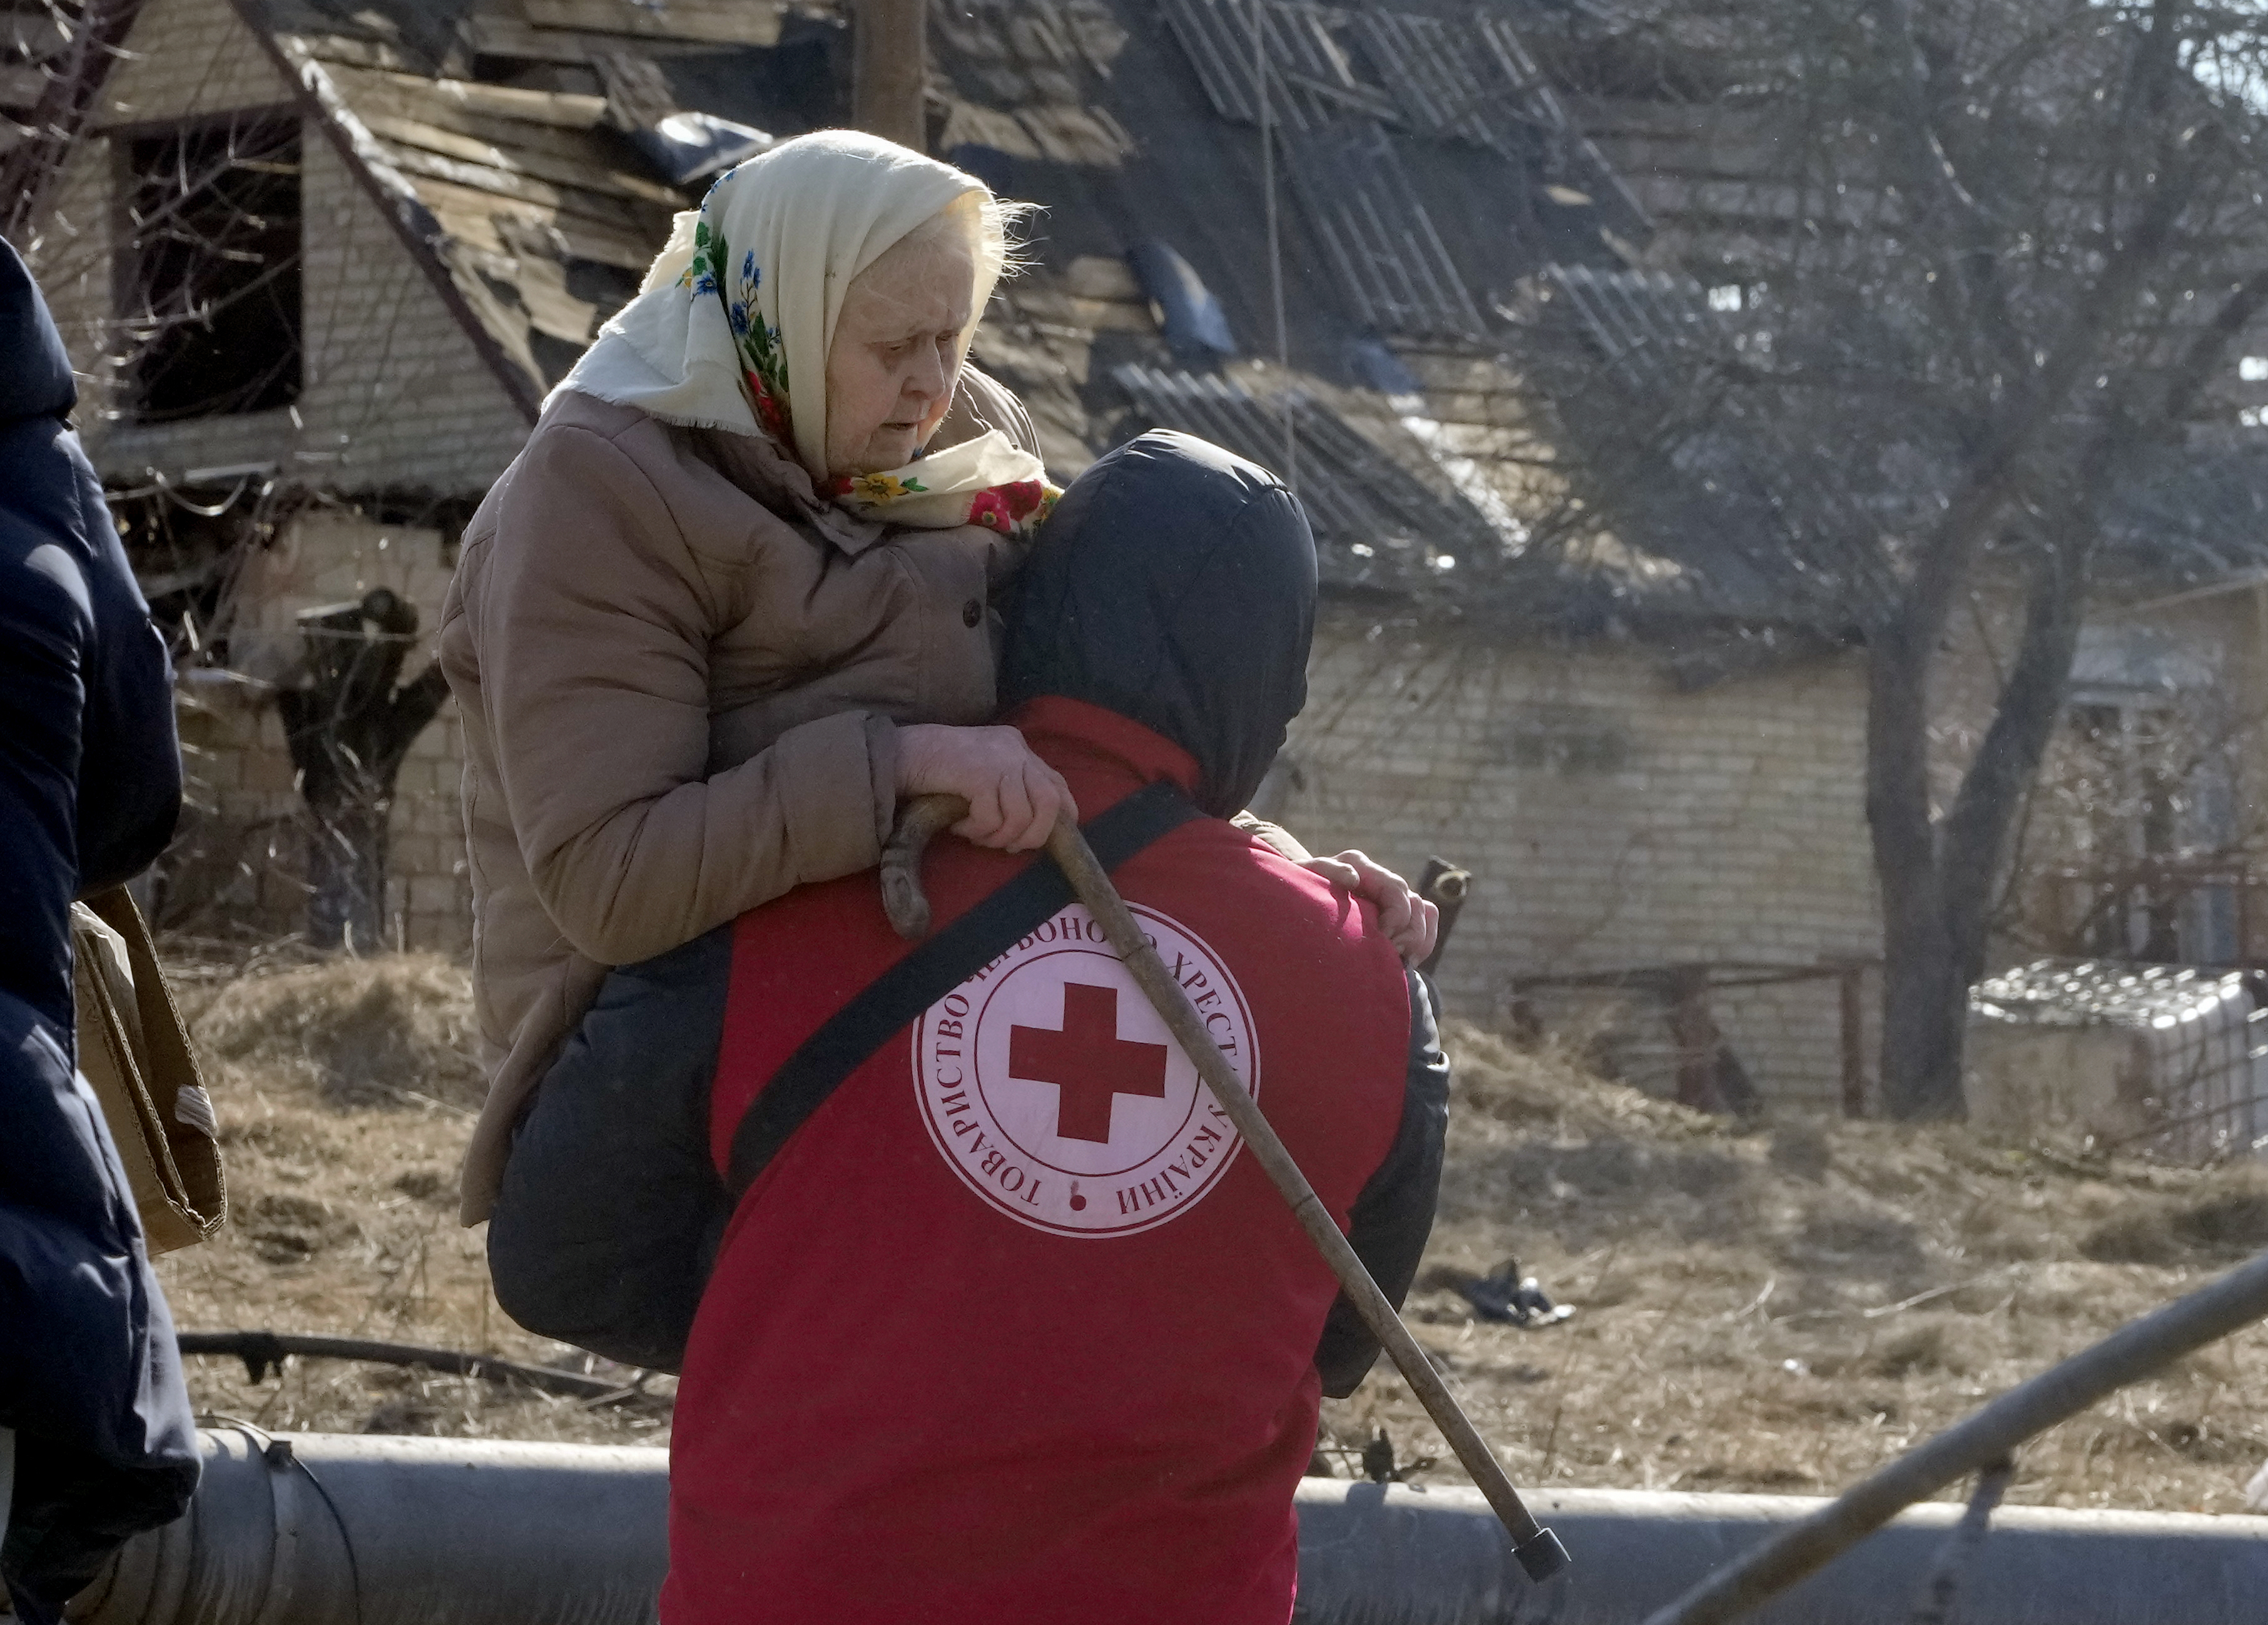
<point x="326" y="1529"/>
<point x="1388" y="1555"/>
<point x="344" y="1529"/>
<point x="2128" y="1354"/>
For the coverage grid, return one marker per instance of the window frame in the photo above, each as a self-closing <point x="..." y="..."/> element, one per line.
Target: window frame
<point x="130" y="254"/>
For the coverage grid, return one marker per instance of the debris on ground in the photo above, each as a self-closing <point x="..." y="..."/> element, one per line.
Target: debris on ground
<point x="345" y="1089"/>
<point x="1506" y="1296"/>
<point x="1784" y="1305"/>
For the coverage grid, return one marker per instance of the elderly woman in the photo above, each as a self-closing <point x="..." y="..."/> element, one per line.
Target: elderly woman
<point x="733" y="600"/>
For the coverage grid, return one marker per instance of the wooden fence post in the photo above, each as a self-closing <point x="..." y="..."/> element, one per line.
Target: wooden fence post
<point x="1854" y="1052"/>
<point x="889" y="70"/>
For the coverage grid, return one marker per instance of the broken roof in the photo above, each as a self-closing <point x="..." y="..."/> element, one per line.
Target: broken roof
<point x="534" y="149"/>
<point x="1343" y="305"/>
<point x="1373" y="355"/>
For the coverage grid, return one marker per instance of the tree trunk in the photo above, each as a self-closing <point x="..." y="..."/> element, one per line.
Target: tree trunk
<point x="1924" y="997"/>
<point x="346" y="874"/>
<point x="1972" y="848"/>
<point x="1925" y="1022"/>
<point x="1938" y="881"/>
<point x="348" y="728"/>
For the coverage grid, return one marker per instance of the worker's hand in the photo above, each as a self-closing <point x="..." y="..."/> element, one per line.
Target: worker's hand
<point x="1013" y="798"/>
<point x="1411" y="923"/>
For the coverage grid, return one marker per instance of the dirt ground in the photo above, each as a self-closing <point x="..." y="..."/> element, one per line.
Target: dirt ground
<point x="346" y="1091"/>
<point x="1778" y="1307"/>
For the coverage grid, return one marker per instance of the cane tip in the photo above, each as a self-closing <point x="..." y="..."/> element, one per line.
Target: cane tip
<point x="1540" y="1555"/>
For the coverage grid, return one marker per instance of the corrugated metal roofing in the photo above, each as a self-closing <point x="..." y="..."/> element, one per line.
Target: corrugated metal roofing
<point x="1392" y="263"/>
<point x="1475" y="81"/>
<point x="1358" y="501"/>
<point x="1312" y="83"/>
<point x="1424" y="173"/>
<point x="1635" y="318"/>
<point x="1336" y="80"/>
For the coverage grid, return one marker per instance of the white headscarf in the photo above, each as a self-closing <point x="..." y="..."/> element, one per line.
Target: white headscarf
<point x="732" y="327"/>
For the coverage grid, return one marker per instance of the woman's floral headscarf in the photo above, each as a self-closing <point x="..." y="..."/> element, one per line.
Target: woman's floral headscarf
<point x="732" y="328"/>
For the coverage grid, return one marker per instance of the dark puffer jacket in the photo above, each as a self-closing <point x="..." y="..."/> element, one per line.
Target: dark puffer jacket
<point x="90" y="788"/>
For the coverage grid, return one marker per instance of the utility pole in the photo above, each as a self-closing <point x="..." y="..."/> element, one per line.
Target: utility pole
<point x="889" y="70"/>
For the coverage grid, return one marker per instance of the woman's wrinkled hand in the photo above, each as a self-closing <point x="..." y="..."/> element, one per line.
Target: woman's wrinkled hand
<point x="1411" y="923"/>
<point x="1014" y="797"/>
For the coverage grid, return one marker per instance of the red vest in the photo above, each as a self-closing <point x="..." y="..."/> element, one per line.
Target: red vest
<point x="1009" y="1330"/>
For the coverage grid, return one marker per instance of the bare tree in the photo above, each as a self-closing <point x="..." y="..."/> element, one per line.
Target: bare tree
<point x="349" y="725"/>
<point x="66" y="46"/>
<point x="2012" y="248"/>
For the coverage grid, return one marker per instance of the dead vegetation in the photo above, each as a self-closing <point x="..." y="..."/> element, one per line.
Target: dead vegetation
<point x="345" y="1089"/>
<point x="1784" y="1307"/>
<point x="1779" y="1308"/>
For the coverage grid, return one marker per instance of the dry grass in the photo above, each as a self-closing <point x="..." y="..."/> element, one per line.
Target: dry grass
<point x="1774" y="1309"/>
<point x="345" y="1089"/>
<point x="1786" y="1308"/>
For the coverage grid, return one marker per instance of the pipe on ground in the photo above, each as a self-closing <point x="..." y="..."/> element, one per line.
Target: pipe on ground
<point x="1371" y="1554"/>
<point x="331" y="1529"/>
<point x="350" y="1529"/>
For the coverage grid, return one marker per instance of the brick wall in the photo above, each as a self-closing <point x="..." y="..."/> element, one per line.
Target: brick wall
<point x="1610" y="821"/>
<point x="396" y="397"/>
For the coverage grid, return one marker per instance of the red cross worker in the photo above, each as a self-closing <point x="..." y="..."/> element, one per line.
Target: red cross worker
<point x="1005" y="1325"/>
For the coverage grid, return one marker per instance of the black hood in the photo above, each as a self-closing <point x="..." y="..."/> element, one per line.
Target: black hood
<point x="35" y="375"/>
<point x="1175" y="584"/>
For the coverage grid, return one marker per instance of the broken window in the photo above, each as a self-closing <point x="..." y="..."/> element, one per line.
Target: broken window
<point x="211" y="285"/>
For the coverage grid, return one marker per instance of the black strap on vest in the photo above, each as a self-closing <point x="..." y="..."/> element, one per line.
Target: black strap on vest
<point x="849" y="1037"/>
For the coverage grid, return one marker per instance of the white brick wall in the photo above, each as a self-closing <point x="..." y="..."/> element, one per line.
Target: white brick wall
<point x="1731" y="829"/>
<point x="395" y="396"/>
<point x="1724" y="825"/>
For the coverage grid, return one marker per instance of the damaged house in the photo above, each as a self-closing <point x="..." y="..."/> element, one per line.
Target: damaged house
<point x="319" y="261"/>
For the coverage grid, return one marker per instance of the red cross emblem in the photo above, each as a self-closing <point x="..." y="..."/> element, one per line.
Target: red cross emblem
<point x="1019" y="1071"/>
<point x="1087" y="1062"/>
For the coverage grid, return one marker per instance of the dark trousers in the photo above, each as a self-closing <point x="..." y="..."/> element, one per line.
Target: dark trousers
<point x="611" y="1210"/>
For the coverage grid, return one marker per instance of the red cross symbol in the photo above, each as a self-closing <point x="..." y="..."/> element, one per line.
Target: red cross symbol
<point x="1087" y="1061"/>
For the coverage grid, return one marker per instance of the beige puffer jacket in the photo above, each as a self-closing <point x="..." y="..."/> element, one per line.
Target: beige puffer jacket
<point x="679" y="673"/>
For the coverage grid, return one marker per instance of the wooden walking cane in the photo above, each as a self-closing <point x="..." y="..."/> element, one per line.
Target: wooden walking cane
<point x="1537" y="1548"/>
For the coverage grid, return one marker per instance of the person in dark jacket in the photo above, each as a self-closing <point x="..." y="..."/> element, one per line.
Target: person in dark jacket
<point x="1003" y="1326"/>
<point x="91" y="1403"/>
